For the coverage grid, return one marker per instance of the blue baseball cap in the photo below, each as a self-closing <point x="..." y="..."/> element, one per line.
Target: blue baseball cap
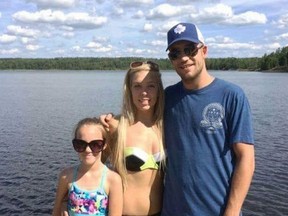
<point x="184" y="31"/>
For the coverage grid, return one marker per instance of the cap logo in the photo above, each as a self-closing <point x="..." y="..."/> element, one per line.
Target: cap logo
<point x="179" y="29"/>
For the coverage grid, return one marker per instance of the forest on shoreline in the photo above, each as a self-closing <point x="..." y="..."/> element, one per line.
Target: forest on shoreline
<point x="276" y="61"/>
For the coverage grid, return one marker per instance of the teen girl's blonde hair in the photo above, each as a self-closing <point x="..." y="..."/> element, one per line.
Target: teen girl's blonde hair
<point x="128" y="116"/>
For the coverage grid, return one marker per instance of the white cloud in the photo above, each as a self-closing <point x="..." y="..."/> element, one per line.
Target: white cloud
<point x="135" y="2"/>
<point x="214" y="14"/>
<point x="6" y="39"/>
<point x="238" y="49"/>
<point x="98" y="47"/>
<point x="234" y="49"/>
<point x="21" y="31"/>
<point x="60" y="51"/>
<point x="26" y="40"/>
<point x="118" y="11"/>
<point x="138" y="15"/>
<point x="98" y="1"/>
<point x="219" y="39"/>
<point x="148" y="27"/>
<point x="167" y="10"/>
<point x="9" y="51"/>
<point x="282" y="36"/>
<point x="283" y="21"/>
<point x="224" y="14"/>
<point x="273" y="46"/>
<point x="103" y="49"/>
<point x="73" y="19"/>
<point x="248" y="17"/>
<point x="100" y="39"/>
<point x="66" y="28"/>
<point x="152" y="52"/>
<point x="44" y="16"/>
<point x="189" y="1"/>
<point x="53" y="3"/>
<point x="76" y="48"/>
<point x="155" y="42"/>
<point x="132" y="51"/>
<point x="31" y="47"/>
<point x="234" y="46"/>
<point x="139" y="51"/>
<point x="93" y="45"/>
<point x="68" y="34"/>
<point x="83" y="20"/>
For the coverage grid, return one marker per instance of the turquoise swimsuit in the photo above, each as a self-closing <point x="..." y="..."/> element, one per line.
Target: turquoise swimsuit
<point x="84" y="202"/>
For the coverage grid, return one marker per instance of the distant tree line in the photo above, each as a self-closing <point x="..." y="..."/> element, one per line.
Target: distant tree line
<point x="275" y="61"/>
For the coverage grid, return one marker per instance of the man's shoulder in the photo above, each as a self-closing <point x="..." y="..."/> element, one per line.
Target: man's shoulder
<point x="228" y="86"/>
<point x="173" y="87"/>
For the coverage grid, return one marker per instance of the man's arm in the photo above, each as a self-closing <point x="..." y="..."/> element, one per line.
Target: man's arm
<point x="242" y="177"/>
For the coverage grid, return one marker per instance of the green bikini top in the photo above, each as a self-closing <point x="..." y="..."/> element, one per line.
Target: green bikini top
<point x="137" y="159"/>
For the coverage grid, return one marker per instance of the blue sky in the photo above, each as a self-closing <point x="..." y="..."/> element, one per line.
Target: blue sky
<point x="137" y="28"/>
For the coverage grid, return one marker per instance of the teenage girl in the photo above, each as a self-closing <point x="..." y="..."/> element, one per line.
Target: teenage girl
<point x="138" y="151"/>
<point x="92" y="188"/>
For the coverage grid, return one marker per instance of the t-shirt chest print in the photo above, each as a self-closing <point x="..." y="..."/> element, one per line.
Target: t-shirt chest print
<point x="212" y="117"/>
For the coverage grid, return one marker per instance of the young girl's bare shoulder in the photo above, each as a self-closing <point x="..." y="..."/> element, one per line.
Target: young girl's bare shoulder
<point x="67" y="174"/>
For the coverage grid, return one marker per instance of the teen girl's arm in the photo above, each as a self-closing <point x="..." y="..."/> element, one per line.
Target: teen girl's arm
<point x="115" y="194"/>
<point x="242" y="177"/>
<point x="61" y="194"/>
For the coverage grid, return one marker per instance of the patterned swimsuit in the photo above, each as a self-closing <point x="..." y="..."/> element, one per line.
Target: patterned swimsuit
<point x="84" y="202"/>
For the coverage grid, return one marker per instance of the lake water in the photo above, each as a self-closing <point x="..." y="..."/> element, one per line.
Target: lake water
<point x="39" y="109"/>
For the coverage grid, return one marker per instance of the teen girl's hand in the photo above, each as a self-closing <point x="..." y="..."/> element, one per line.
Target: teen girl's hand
<point x="109" y="122"/>
<point x="64" y="211"/>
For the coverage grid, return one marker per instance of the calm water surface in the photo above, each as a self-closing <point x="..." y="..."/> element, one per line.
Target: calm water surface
<point x="39" y="109"/>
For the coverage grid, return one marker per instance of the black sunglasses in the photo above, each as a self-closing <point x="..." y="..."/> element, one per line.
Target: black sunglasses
<point x="136" y="64"/>
<point x="190" y="51"/>
<point x="95" y="145"/>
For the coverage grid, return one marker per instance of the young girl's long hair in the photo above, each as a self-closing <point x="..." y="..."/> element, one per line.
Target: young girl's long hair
<point x="129" y="114"/>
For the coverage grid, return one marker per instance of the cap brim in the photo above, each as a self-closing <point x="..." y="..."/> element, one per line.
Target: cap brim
<point x="183" y="39"/>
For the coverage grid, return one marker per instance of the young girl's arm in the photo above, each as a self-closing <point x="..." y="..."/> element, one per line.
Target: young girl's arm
<point x="115" y="194"/>
<point x="61" y="193"/>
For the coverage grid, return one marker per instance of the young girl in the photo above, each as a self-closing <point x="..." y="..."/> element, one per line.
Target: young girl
<point x="92" y="188"/>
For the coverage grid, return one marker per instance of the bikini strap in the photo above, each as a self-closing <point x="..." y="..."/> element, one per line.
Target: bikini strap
<point x="103" y="178"/>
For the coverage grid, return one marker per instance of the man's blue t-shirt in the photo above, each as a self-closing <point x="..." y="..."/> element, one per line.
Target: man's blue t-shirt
<point x="200" y="128"/>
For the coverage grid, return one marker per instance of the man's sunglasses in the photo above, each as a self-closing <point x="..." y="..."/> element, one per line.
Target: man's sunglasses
<point x="95" y="145"/>
<point x="190" y="51"/>
<point x="136" y="64"/>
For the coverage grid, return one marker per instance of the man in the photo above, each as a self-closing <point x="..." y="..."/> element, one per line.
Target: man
<point x="208" y="134"/>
